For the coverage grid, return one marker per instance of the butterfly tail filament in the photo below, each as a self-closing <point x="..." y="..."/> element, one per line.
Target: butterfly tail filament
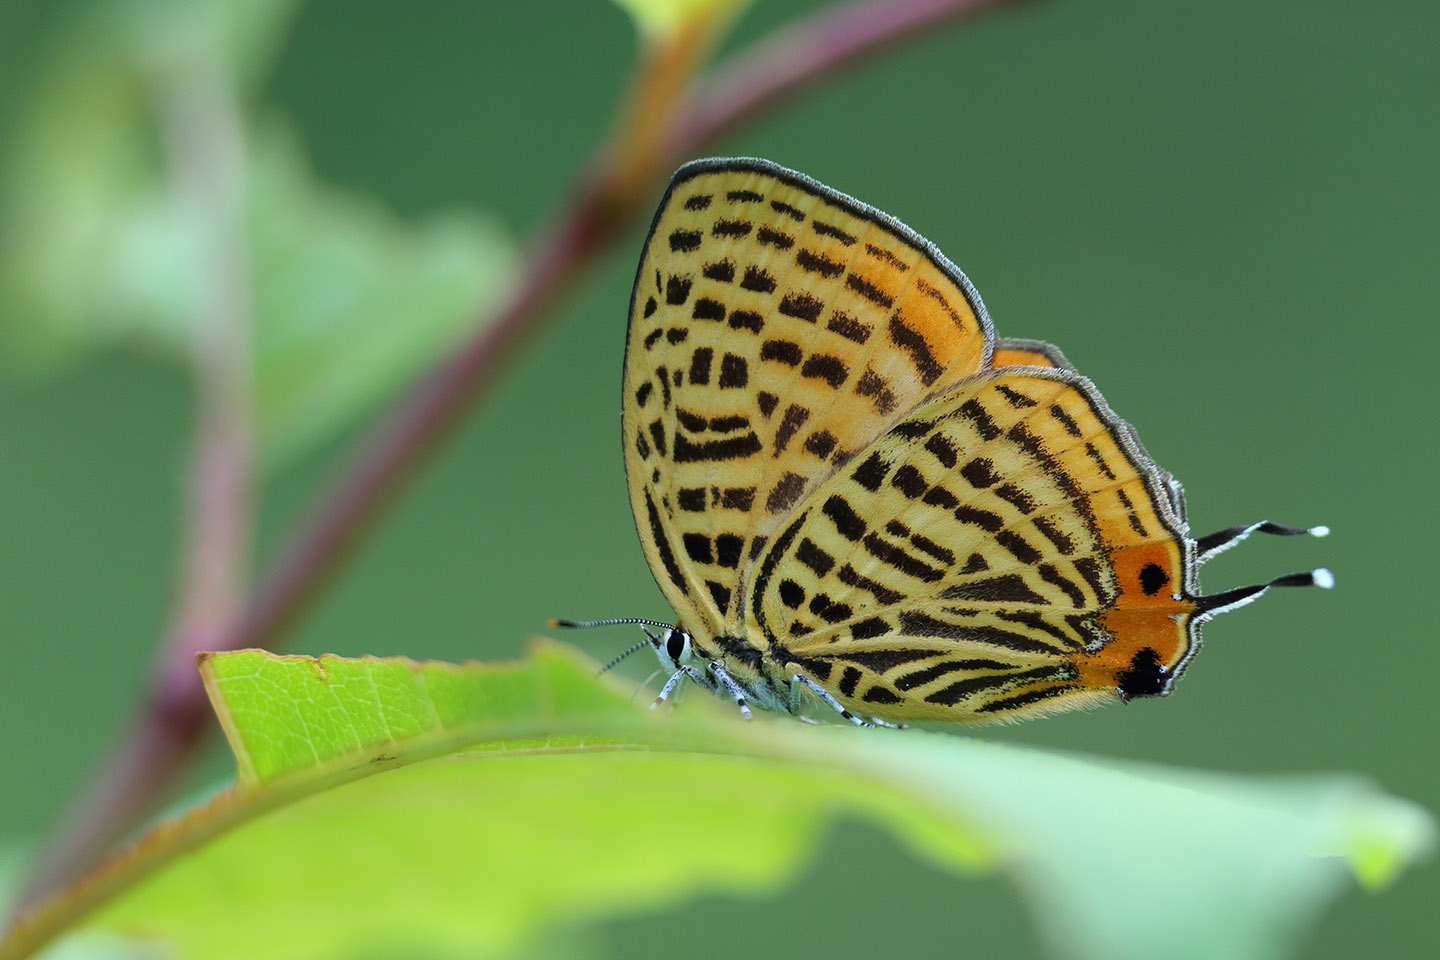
<point x="1218" y="603"/>
<point x="1222" y="540"/>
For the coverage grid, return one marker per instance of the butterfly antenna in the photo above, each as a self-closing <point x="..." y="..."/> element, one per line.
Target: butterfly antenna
<point x="1218" y="603"/>
<point x="650" y="638"/>
<point x="622" y="656"/>
<point x="1222" y="540"/>
<point x="613" y="621"/>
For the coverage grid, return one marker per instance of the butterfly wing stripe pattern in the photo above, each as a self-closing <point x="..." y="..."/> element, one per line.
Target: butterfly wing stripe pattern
<point x="776" y="330"/>
<point x="973" y="562"/>
<point x="839" y="474"/>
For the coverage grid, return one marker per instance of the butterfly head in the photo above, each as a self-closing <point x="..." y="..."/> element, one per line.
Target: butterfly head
<point x="672" y="645"/>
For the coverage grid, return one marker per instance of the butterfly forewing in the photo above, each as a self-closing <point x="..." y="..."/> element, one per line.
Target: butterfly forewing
<point x="776" y="330"/>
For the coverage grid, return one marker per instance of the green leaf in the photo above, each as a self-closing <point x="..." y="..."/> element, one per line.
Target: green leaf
<point x="244" y="36"/>
<point x="83" y="194"/>
<point x="348" y="304"/>
<point x="79" y="165"/>
<point x="344" y="302"/>
<point x="465" y="809"/>
<point x="668" y="17"/>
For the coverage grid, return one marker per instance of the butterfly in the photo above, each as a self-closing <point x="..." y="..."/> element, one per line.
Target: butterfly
<point x="853" y="495"/>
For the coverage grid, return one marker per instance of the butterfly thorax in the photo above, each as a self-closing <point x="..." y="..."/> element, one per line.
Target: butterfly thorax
<point x="749" y="659"/>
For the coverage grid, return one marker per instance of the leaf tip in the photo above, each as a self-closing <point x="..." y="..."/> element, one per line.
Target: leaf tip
<point x="1386" y="840"/>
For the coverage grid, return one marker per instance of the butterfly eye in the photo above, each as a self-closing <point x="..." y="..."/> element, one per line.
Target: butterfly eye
<point x="676" y="644"/>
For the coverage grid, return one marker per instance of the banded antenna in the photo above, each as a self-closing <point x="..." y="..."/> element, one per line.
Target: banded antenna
<point x="613" y="621"/>
<point x="623" y="654"/>
<point x="650" y="638"/>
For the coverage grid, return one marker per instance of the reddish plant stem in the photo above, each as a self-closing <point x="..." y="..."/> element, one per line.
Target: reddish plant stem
<point x="160" y="744"/>
<point x="796" y="56"/>
<point x="204" y="159"/>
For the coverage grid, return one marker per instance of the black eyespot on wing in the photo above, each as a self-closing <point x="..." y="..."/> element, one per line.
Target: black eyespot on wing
<point x="1152" y="578"/>
<point x="1145" y="677"/>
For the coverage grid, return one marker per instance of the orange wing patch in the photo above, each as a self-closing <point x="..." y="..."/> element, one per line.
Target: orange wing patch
<point x="1014" y="352"/>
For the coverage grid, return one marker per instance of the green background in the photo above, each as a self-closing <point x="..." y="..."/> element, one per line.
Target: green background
<point x="1224" y="213"/>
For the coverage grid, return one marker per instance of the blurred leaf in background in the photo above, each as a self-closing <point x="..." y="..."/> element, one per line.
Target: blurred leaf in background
<point x="350" y="304"/>
<point x="658" y="17"/>
<point x="347" y="302"/>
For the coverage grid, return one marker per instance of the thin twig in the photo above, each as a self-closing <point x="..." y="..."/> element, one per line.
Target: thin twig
<point x="607" y="199"/>
<point x="200" y="123"/>
<point x="796" y="56"/>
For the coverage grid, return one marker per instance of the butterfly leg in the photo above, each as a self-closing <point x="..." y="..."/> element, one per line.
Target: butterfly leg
<point x="731" y="687"/>
<point x="801" y="682"/>
<point x="675" y="680"/>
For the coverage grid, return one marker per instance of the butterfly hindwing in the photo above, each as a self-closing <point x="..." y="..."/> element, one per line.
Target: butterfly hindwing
<point x="1018" y="352"/>
<point x="999" y="550"/>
